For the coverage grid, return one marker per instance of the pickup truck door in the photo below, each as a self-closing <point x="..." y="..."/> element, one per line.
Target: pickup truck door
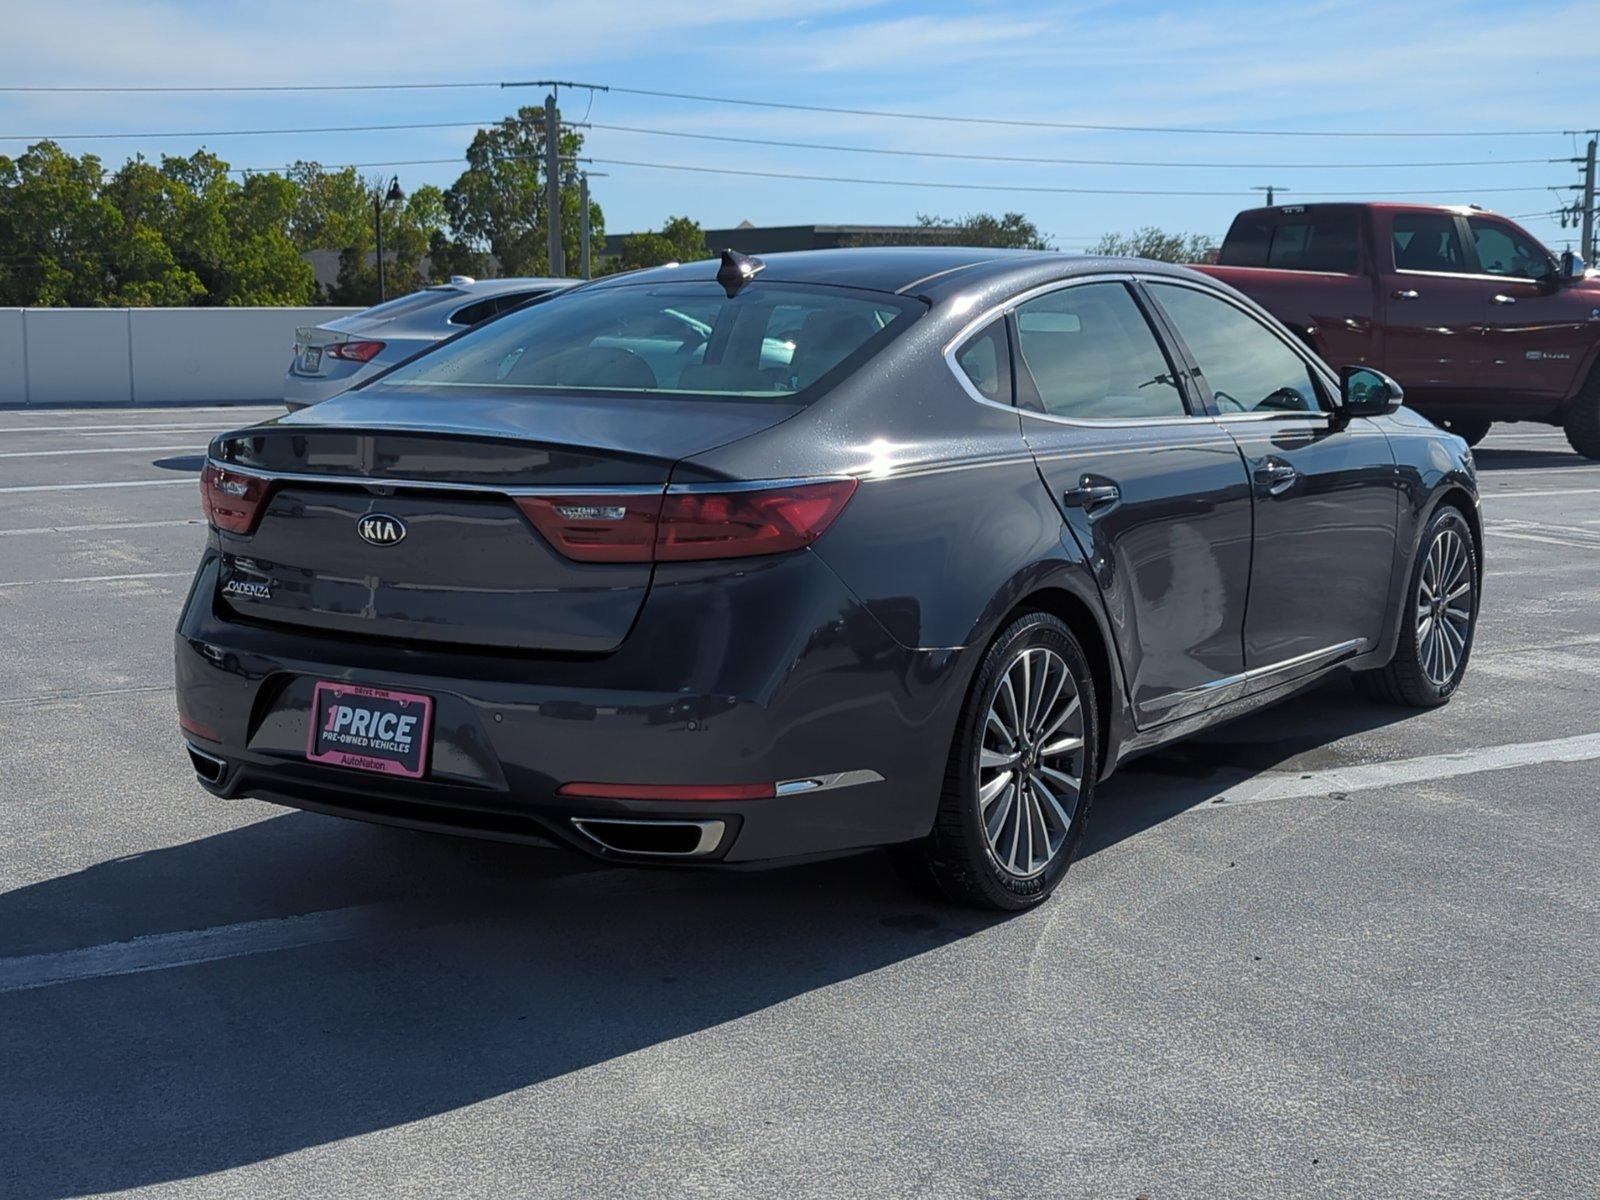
<point x="1535" y="335"/>
<point x="1434" y="308"/>
<point x="1325" y="492"/>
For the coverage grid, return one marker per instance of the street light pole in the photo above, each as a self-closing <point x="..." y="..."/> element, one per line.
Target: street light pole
<point x="379" y="199"/>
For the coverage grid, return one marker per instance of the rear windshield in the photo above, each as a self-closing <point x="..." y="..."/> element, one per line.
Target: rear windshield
<point x="405" y="304"/>
<point x="1292" y="242"/>
<point x="770" y="339"/>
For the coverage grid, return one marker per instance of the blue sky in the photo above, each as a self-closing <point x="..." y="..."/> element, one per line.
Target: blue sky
<point x="1411" y="67"/>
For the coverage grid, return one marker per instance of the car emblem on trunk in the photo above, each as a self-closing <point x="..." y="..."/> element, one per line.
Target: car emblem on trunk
<point x="381" y="529"/>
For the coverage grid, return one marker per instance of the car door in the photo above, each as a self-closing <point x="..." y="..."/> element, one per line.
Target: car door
<point x="1536" y="334"/>
<point x="1155" y="496"/>
<point x="1433" y="308"/>
<point x="1326" y="489"/>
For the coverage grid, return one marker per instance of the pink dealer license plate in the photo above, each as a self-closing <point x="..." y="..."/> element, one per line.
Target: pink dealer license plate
<point x="370" y="729"/>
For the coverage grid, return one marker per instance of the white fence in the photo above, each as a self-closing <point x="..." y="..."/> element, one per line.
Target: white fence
<point x="148" y="355"/>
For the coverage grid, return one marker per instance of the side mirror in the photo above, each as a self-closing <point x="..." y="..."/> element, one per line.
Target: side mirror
<point x="1364" y="392"/>
<point x="1572" y="267"/>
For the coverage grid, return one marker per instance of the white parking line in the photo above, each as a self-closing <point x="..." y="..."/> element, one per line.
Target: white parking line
<point x="116" y="430"/>
<point x="186" y="481"/>
<point x="1302" y="784"/>
<point x="101" y="528"/>
<point x="193" y="449"/>
<point x="159" y="951"/>
<point x="1488" y="495"/>
<point x="21" y="583"/>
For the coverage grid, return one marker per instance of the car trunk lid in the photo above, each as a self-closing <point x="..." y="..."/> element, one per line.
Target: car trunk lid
<point x="394" y="515"/>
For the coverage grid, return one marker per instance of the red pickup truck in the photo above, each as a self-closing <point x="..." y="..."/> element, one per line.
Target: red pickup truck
<point x="1476" y="319"/>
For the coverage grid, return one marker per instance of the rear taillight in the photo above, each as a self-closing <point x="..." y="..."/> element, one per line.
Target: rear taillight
<point x="353" y="351"/>
<point x="233" y="501"/>
<point x="688" y="526"/>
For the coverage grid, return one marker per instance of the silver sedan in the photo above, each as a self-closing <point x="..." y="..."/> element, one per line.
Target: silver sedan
<point x="336" y="355"/>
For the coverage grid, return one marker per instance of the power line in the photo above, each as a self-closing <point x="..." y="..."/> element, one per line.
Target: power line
<point x="1024" y="123"/>
<point x="206" y="133"/>
<point x="1048" y="161"/>
<point x="1014" y="122"/>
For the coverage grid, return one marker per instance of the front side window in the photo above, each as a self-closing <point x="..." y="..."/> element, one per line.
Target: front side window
<point x="769" y="340"/>
<point x="1248" y="367"/>
<point x="1090" y="353"/>
<point x="1504" y="251"/>
<point x="985" y="359"/>
<point x="1427" y="242"/>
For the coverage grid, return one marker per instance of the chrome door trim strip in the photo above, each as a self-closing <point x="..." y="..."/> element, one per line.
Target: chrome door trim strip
<point x="1310" y="661"/>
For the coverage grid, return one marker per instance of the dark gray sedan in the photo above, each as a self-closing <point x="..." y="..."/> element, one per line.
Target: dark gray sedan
<point x="742" y="561"/>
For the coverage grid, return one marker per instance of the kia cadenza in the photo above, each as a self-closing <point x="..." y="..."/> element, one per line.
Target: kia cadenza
<point x="744" y="561"/>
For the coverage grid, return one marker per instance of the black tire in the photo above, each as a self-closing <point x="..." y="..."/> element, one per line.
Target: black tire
<point x="1583" y="418"/>
<point x="957" y="855"/>
<point x="1419" y="676"/>
<point x="1471" y="430"/>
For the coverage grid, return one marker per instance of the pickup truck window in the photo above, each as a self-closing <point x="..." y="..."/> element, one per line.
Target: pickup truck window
<point x="1427" y="242"/>
<point x="1091" y="353"/>
<point x="1299" y="242"/>
<point x="1248" y="367"/>
<point x="1503" y="251"/>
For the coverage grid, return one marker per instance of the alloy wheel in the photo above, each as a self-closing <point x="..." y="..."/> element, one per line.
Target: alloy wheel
<point x="1444" y="607"/>
<point x="1030" y="762"/>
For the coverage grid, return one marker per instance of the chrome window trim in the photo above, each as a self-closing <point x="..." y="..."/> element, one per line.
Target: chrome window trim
<point x="1480" y="277"/>
<point x="450" y="485"/>
<point x="981" y="322"/>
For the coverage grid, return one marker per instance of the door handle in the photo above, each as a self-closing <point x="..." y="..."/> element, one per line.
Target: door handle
<point x="1403" y="294"/>
<point x="1091" y="493"/>
<point x="1274" y="476"/>
<point x="1502" y="298"/>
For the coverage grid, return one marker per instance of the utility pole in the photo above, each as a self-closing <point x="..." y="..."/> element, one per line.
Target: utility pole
<point x="552" y="186"/>
<point x="1587" y="241"/>
<point x="583" y="223"/>
<point x="1271" y="189"/>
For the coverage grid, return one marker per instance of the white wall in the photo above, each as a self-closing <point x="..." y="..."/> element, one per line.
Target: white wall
<point x="148" y="355"/>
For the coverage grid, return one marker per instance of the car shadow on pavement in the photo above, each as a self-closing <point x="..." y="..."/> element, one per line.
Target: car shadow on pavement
<point x="1490" y="458"/>
<point x="482" y="969"/>
<point x="486" y="969"/>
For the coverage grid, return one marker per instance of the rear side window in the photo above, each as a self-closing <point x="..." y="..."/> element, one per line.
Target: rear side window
<point x="1427" y="242"/>
<point x="1248" y="367"/>
<point x="1089" y="353"/>
<point x="985" y="360"/>
<point x="1293" y="242"/>
<point x="1504" y="251"/>
<point x="769" y="340"/>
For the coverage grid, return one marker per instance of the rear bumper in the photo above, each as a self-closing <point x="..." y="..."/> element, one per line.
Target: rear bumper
<point x="769" y="674"/>
<point x="301" y="391"/>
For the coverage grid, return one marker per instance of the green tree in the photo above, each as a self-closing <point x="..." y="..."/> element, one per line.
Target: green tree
<point x="1150" y="242"/>
<point x="1009" y="230"/>
<point x="680" y="240"/>
<point x="498" y="203"/>
<point x="58" y="231"/>
<point x="144" y="265"/>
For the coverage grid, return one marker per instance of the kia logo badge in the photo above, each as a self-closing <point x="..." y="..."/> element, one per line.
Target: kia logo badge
<point x="381" y="529"/>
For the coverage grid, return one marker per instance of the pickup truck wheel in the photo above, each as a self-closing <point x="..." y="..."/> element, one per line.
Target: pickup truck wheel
<point x="1470" y="429"/>
<point x="1437" y="622"/>
<point x="1583" y="418"/>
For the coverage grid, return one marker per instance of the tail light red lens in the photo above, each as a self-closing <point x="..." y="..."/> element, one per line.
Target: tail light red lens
<point x="353" y="351"/>
<point x="688" y="526"/>
<point x="670" y="791"/>
<point x="233" y="501"/>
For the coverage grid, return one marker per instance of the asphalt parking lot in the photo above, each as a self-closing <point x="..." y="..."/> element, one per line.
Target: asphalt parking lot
<point x="1331" y="950"/>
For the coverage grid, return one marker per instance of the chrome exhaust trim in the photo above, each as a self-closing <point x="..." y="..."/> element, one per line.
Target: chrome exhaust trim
<point x="208" y="767"/>
<point x="707" y="835"/>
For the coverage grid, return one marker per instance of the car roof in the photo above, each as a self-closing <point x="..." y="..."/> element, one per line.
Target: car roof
<point x="927" y="271"/>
